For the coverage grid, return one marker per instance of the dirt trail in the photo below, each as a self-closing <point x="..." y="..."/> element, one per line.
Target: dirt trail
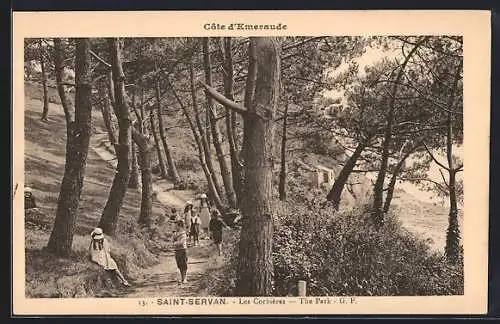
<point x="163" y="279"/>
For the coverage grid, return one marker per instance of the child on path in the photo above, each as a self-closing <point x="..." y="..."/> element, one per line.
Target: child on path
<point x="215" y="226"/>
<point x="100" y="253"/>
<point x="180" y="246"/>
<point x="195" y="229"/>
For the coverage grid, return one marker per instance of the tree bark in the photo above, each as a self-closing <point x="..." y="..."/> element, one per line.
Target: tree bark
<point x="172" y="169"/>
<point x="201" y="154"/>
<point x="111" y="212"/>
<point x="225" y="172"/>
<point x="161" y="161"/>
<point x="106" y="116"/>
<point x="45" y="111"/>
<point x="397" y="171"/>
<point x="282" y="182"/>
<point x="203" y="137"/>
<point x="378" y="190"/>
<point x="231" y="116"/>
<point x="134" y="170"/>
<point x="146" y="177"/>
<point x="248" y="100"/>
<point x="255" y="248"/>
<point x="77" y="146"/>
<point x="452" y="248"/>
<point x="335" y="194"/>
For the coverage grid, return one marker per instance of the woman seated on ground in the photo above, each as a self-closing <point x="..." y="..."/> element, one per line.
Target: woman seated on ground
<point x="100" y="253"/>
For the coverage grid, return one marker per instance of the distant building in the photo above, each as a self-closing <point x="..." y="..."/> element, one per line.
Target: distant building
<point x="322" y="176"/>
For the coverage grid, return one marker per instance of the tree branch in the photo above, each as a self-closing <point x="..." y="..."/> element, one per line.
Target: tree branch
<point x="223" y="100"/>
<point x="434" y="159"/>
<point x="97" y="57"/>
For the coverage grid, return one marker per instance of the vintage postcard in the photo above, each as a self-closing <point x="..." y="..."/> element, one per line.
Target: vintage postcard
<point x="253" y="162"/>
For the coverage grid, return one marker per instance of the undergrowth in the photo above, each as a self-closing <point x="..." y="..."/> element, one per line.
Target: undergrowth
<point x="344" y="255"/>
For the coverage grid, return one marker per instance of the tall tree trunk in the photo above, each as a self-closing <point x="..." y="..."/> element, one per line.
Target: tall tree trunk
<point x="452" y="248"/>
<point x="133" y="182"/>
<point x="77" y="145"/>
<point x="231" y="116"/>
<point x="106" y="115"/>
<point x="248" y="100"/>
<point x="282" y="183"/>
<point x="397" y="171"/>
<point x="378" y="190"/>
<point x="203" y="137"/>
<point x="255" y="248"/>
<point x="111" y="212"/>
<point x="45" y="111"/>
<point x="225" y="171"/>
<point x="335" y="194"/>
<point x="146" y="177"/>
<point x="201" y="154"/>
<point x="161" y="161"/>
<point x="172" y="169"/>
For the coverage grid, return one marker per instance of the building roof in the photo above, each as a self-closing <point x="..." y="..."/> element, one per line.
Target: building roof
<point x="322" y="168"/>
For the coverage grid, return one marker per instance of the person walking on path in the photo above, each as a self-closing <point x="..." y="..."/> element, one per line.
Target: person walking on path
<point x="100" y="253"/>
<point x="204" y="214"/>
<point x="180" y="246"/>
<point x="195" y="229"/>
<point x="188" y="214"/>
<point x="216" y="225"/>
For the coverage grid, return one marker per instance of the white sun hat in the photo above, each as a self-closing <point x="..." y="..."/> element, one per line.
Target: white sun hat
<point x="189" y="202"/>
<point x="27" y="189"/>
<point x="97" y="233"/>
<point x="203" y="196"/>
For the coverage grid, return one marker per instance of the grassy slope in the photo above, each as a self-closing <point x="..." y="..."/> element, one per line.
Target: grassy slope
<point x="44" y="168"/>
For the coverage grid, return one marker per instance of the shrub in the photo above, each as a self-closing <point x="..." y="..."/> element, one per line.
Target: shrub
<point x="346" y="255"/>
<point x="188" y="163"/>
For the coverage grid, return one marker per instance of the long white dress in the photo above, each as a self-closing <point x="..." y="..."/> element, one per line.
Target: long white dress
<point x="102" y="257"/>
<point x="204" y="214"/>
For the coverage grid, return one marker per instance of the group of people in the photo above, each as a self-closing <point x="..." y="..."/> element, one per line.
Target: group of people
<point x="208" y="219"/>
<point x="211" y="224"/>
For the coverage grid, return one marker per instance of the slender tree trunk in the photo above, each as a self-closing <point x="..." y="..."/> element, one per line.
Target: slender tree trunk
<point x="77" y="145"/>
<point x="397" y="171"/>
<point x="225" y="171"/>
<point x="452" y="248"/>
<point x="111" y="212"/>
<point x="335" y="194"/>
<point x="378" y="190"/>
<point x="255" y="249"/>
<point x="172" y="169"/>
<point x="203" y="137"/>
<point x="282" y="183"/>
<point x="134" y="170"/>
<point x="161" y="161"/>
<point x="146" y="177"/>
<point x="106" y="116"/>
<point x="231" y="116"/>
<point x="45" y="111"/>
<point x="201" y="154"/>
